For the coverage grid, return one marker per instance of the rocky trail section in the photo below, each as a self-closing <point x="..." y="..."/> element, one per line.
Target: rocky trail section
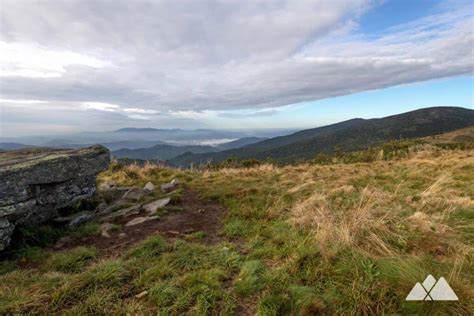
<point x="36" y="183"/>
<point x="123" y="225"/>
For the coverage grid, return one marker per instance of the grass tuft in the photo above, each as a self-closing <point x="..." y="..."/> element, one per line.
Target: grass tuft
<point x="72" y="261"/>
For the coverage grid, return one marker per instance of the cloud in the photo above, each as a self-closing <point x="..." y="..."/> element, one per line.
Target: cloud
<point x="140" y="111"/>
<point x="20" y="102"/>
<point x="181" y="59"/>
<point x="29" y="117"/>
<point x="34" y="61"/>
<point x="247" y="114"/>
<point x="101" y="106"/>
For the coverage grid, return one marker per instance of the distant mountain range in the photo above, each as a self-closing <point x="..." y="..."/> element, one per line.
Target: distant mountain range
<point x="355" y="134"/>
<point x="13" y="146"/>
<point x="140" y="130"/>
<point x="133" y="138"/>
<point x="166" y="151"/>
<point x="129" y="144"/>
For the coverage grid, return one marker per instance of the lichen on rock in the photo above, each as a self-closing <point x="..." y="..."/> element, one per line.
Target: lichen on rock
<point x="36" y="183"/>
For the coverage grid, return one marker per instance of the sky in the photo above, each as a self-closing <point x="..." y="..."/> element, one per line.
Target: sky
<point x="80" y="65"/>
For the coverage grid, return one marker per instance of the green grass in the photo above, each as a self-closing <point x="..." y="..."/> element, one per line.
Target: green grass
<point x="46" y="235"/>
<point x="250" y="279"/>
<point x="72" y="261"/>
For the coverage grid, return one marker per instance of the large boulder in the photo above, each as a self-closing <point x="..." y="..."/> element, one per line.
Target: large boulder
<point x="36" y="183"/>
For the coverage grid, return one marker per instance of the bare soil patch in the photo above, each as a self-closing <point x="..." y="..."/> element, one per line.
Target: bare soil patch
<point x="190" y="215"/>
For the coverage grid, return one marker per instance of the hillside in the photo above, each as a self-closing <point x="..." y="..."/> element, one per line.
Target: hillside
<point x="306" y="239"/>
<point x="356" y="134"/>
<point x="241" y="142"/>
<point x="461" y="136"/>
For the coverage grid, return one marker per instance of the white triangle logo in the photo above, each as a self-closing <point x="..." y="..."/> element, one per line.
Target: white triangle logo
<point x="418" y="293"/>
<point x="432" y="290"/>
<point x="442" y="291"/>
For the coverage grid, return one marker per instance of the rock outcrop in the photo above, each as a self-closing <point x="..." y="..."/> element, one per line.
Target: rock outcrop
<point x="36" y="183"/>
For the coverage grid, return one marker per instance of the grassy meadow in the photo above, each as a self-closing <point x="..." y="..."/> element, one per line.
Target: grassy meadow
<point x="345" y="234"/>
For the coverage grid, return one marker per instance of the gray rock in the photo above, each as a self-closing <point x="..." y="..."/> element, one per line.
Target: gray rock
<point x="114" y="193"/>
<point x="139" y="220"/>
<point x="106" y="186"/>
<point x="74" y="219"/>
<point x="81" y="218"/>
<point x="167" y="187"/>
<point x="101" y="207"/>
<point x="6" y="230"/>
<point x="62" y="241"/>
<point x="114" y="207"/>
<point x="141" y="294"/>
<point x="149" y="187"/>
<point x="104" y="229"/>
<point x="134" y="194"/>
<point x="152" y="207"/>
<point x="134" y="209"/>
<point x="37" y="182"/>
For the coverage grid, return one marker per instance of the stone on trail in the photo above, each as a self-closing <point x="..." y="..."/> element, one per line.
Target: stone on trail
<point x="140" y="295"/>
<point x="104" y="229"/>
<point x="152" y="207"/>
<point x="139" y="220"/>
<point x="167" y="187"/>
<point x="134" y="194"/>
<point x="131" y="210"/>
<point x="149" y="187"/>
<point x="113" y="207"/>
<point x="101" y="207"/>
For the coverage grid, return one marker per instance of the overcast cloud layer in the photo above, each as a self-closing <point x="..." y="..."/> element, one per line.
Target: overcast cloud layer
<point x="156" y="60"/>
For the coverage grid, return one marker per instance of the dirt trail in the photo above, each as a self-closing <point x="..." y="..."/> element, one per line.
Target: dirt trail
<point x="194" y="215"/>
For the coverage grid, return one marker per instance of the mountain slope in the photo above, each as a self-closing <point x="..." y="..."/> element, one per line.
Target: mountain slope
<point x="349" y="135"/>
<point x="241" y="142"/>
<point x="462" y="136"/>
